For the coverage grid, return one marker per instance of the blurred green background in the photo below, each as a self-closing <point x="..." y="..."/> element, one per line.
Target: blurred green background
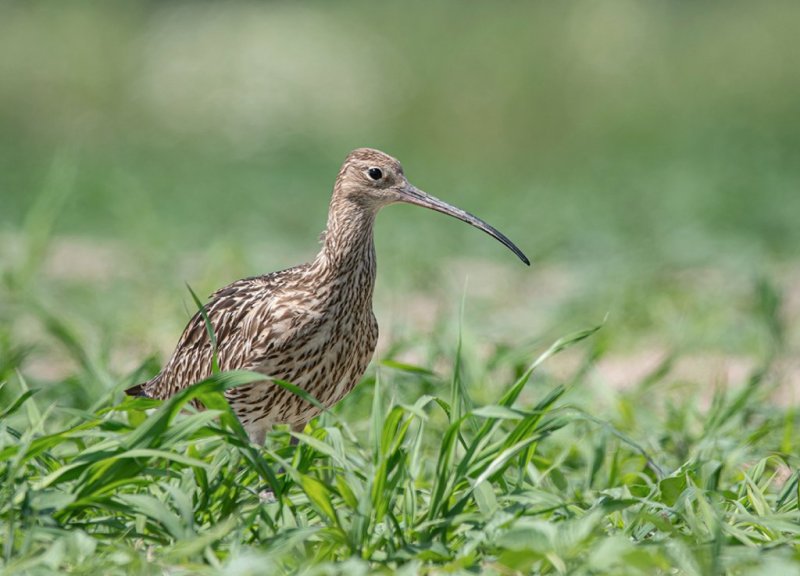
<point x="644" y="155"/>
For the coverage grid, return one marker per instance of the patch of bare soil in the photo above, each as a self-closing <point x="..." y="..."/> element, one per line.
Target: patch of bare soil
<point x="78" y="259"/>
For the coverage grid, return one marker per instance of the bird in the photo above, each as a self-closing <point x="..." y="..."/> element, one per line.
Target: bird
<point x="312" y="324"/>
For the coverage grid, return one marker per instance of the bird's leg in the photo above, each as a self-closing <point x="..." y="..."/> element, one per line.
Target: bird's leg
<point x="258" y="437"/>
<point x="257" y="434"/>
<point x="297" y="428"/>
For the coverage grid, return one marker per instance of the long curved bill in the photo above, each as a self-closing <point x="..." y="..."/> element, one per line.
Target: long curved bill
<point x="413" y="195"/>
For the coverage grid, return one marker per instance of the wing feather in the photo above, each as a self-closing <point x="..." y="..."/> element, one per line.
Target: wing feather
<point x="245" y="316"/>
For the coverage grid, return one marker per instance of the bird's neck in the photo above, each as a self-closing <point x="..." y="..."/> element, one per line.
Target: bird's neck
<point x="347" y="255"/>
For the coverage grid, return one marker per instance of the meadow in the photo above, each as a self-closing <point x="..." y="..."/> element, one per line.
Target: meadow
<point x="627" y="405"/>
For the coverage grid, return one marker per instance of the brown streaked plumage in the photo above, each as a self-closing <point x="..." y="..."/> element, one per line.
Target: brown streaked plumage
<point x="311" y="325"/>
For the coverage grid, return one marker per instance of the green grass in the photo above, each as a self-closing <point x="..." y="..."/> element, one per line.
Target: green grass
<point x="436" y="485"/>
<point x="486" y="464"/>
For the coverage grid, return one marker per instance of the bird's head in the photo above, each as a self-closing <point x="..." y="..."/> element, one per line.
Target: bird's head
<point x="371" y="180"/>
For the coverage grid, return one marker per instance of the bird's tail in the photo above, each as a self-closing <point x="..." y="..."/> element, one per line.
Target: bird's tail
<point x="137" y="390"/>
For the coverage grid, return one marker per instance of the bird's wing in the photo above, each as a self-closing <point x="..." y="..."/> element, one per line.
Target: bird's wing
<point x="245" y="317"/>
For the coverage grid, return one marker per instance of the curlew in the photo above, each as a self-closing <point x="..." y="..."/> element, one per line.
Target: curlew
<point x="311" y="325"/>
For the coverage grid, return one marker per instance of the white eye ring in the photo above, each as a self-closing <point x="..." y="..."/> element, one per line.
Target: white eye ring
<point x="375" y="173"/>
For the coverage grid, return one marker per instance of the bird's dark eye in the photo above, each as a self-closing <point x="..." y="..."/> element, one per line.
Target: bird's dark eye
<point x="375" y="173"/>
